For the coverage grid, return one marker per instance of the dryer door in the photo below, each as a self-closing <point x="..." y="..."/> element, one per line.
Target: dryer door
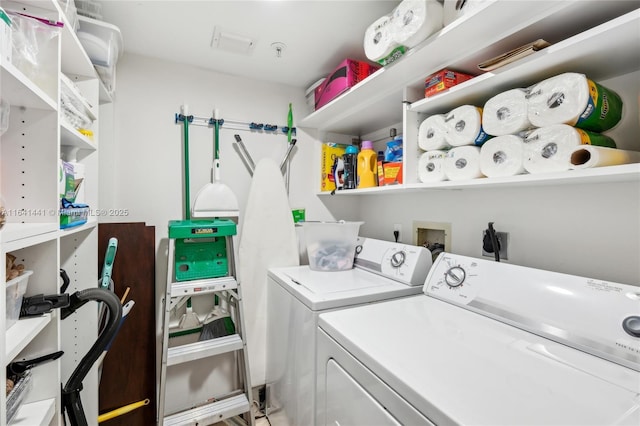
<point x="348" y="403"/>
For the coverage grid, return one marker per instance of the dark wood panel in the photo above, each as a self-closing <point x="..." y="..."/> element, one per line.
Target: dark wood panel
<point x="129" y="369"/>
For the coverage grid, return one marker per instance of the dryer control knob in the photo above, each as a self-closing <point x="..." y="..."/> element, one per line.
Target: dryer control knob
<point x="455" y="276"/>
<point x="398" y="258"/>
<point x="632" y="325"/>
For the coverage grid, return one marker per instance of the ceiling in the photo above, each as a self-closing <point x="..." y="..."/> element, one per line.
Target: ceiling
<point x="317" y="35"/>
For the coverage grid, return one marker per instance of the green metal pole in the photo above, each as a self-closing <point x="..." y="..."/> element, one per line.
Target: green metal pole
<point x="187" y="195"/>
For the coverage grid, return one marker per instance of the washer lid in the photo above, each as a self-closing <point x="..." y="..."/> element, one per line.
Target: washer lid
<point x="327" y="290"/>
<point x="459" y="367"/>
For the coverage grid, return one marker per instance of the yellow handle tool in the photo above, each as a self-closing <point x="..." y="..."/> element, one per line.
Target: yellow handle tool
<point x="122" y="410"/>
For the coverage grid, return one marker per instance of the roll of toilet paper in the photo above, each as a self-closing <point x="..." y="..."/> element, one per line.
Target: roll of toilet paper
<point x="573" y="99"/>
<point x="464" y="126"/>
<point x="430" y="166"/>
<point x="454" y="9"/>
<point x="432" y="133"/>
<point x="412" y="21"/>
<point x="377" y="39"/>
<point x="462" y="163"/>
<point x="502" y="156"/>
<point x="506" y="113"/>
<point x="587" y="156"/>
<point x="549" y="149"/>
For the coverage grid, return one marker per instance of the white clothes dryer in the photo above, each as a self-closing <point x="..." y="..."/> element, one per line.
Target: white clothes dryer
<point x="487" y="343"/>
<point x="297" y="295"/>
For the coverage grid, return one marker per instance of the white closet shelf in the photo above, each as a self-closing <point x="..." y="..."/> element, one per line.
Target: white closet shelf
<point x="611" y="174"/>
<point x="39" y="413"/>
<point x="19" y="90"/>
<point x="19" y="235"/>
<point x="22" y="333"/>
<point x="72" y="137"/>
<point x="91" y="223"/>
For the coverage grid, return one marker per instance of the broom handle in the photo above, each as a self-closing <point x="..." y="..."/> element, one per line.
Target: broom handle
<point x="187" y="195"/>
<point x="216" y="146"/>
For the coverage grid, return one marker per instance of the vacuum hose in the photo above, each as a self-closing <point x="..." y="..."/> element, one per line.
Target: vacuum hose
<point x="71" y="391"/>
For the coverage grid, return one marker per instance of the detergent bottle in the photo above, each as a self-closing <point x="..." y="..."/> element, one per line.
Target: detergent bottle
<point x="367" y="166"/>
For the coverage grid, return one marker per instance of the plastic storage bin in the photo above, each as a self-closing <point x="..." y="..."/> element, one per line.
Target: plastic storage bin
<point x="16" y="288"/>
<point x="331" y="246"/>
<point x="21" y="388"/>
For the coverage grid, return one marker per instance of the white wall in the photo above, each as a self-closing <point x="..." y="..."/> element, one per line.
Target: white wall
<point x="591" y="230"/>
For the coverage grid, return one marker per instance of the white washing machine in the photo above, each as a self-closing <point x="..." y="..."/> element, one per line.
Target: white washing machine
<point x="296" y="297"/>
<point x="487" y="344"/>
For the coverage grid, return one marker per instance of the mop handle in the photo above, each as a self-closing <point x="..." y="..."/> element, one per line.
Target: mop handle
<point x="187" y="195"/>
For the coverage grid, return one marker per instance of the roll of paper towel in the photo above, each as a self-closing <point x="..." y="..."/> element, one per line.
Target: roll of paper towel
<point x="587" y="156"/>
<point x="430" y="166"/>
<point x="464" y="126"/>
<point x="432" y="133"/>
<point x="506" y="113"/>
<point x="573" y="99"/>
<point x="412" y="21"/>
<point x="502" y="156"/>
<point x="548" y="149"/>
<point x="377" y="39"/>
<point x="462" y="163"/>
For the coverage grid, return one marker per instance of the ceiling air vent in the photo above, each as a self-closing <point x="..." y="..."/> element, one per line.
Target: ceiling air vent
<point x="229" y="42"/>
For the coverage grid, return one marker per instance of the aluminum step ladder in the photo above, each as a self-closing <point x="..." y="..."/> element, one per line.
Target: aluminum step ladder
<point x="233" y="406"/>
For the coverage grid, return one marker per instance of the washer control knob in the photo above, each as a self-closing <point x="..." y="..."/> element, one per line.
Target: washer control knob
<point x="455" y="276"/>
<point x="398" y="258"/>
<point x="632" y="325"/>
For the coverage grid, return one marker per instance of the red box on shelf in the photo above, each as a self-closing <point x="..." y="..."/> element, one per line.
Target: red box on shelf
<point x="442" y="80"/>
<point x="346" y="75"/>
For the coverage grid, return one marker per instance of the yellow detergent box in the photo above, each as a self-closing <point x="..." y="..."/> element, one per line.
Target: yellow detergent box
<point x="330" y="158"/>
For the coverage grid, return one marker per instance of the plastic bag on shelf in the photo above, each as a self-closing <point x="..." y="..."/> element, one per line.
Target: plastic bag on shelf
<point x="31" y="39"/>
<point x="73" y="109"/>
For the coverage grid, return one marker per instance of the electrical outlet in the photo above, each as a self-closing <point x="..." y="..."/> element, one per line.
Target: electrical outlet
<point x="503" y="240"/>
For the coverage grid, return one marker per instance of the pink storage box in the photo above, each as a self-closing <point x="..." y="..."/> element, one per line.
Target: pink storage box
<point x="349" y="73"/>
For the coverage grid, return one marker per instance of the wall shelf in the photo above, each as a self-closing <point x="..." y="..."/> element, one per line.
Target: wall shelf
<point x="18" y="90"/>
<point x="376" y="102"/>
<point x="585" y="52"/>
<point x="23" y="331"/>
<point x="39" y="413"/>
<point x="611" y="174"/>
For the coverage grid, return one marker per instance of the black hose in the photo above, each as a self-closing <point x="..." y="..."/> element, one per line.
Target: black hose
<point x="71" y="390"/>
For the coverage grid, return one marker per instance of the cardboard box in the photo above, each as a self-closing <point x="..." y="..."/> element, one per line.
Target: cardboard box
<point x="392" y="173"/>
<point x="346" y="75"/>
<point x="380" y="173"/>
<point x="443" y="80"/>
<point x="329" y="158"/>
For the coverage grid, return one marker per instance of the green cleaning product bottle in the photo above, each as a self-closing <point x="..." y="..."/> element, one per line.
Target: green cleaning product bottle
<point x="367" y="166"/>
